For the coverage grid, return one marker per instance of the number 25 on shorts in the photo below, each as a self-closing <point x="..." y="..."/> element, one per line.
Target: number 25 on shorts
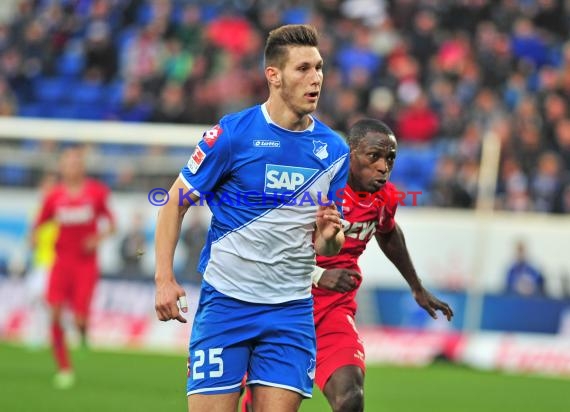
<point x="214" y="359"/>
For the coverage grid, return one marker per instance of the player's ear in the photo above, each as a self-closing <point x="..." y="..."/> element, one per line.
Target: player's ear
<point x="273" y="75"/>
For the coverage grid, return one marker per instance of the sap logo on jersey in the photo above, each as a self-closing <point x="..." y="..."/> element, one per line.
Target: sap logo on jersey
<point x="281" y="179"/>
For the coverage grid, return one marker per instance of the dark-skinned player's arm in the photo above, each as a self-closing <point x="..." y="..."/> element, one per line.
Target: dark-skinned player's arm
<point x="393" y="244"/>
<point x="340" y="280"/>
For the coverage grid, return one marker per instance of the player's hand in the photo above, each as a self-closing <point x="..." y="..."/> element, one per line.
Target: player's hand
<point x="168" y="295"/>
<point x="328" y="220"/>
<point x="91" y="243"/>
<point x="431" y="304"/>
<point x="339" y="280"/>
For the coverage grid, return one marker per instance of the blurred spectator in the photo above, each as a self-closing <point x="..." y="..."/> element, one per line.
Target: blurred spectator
<point x="486" y="110"/>
<point x="555" y="109"/>
<point x="445" y="189"/>
<point x="34" y="48"/>
<point x="133" y="106"/>
<point x="193" y="237"/>
<point x="189" y="31"/>
<point x="527" y="43"/>
<point x="546" y="182"/>
<point x="141" y="57"/>
<point x="101" y="60"/>
<point x="550" y="17"/>
<point x="133" y="246"/>
<point x="529" y="145"/>
<point x="453" y="120"/>
<point x="177" y="62"/>
<point x="417" y="122"/>
<point x="562" y="141"/>
<point x="172" y="107"/>
<point x="523" y="277"/>
<point x="527" y="114"/>
<point x="493" y="55"/>
<point x="513" y="189"/>
<point x="469" y="144"/>
<point x="358" y="54"/>
<point x="8" y="104"/>
<point x="423" y="38"/>
<point x="467" y="178"/>
<point x="563" y="202"/>
<point x="230" y="32"/>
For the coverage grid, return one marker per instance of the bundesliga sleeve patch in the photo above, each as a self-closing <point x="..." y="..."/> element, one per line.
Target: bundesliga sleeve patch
<point x="210" y="136"/>
<point x="196" y="159"/>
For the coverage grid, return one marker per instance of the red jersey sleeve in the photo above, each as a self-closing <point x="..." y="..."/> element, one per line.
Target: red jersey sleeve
<point x="104" y="209"/>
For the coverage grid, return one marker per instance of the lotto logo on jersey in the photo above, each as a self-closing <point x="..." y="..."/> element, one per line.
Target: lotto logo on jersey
<point x="286" y="179"/>
<point x="212" y="135"/>
<point x="196" y="159"/>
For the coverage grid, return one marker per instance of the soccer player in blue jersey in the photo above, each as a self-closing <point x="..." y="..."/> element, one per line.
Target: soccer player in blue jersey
<point x="271" y="175"/>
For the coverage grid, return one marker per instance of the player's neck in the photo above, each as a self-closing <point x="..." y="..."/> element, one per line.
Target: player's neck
<point x="353" y="185"/>
<point x="74" y="185"/>
<point x="283" y="117"/>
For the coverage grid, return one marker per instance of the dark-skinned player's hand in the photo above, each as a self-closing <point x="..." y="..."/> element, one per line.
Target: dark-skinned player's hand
<point x="431" y="304"/>
<point x="339" y="280"/>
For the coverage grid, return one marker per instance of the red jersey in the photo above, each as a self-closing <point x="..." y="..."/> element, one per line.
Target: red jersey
<point x="77" y="215"/>
<point x="365" y="215"/>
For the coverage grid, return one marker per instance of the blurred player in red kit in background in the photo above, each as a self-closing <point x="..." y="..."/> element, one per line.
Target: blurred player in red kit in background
<point x="369" y="208"/>
<point x="76" y="203"/>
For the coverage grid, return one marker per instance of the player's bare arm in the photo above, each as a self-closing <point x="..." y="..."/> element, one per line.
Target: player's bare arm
<point x="329" y="236"/>
<point x="168" y="224"/>
<point x="393" y="244"/>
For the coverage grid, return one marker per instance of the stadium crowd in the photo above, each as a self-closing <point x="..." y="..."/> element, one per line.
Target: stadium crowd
<point x="442" y="74"/>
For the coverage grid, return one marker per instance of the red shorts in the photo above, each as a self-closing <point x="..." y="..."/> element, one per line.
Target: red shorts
<point x="73" y="282"/>
<point x="338" y="343"/>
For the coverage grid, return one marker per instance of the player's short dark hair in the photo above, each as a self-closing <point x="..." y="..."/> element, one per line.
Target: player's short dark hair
<point x="364" y="126"/>
<point x="278" y="41"/>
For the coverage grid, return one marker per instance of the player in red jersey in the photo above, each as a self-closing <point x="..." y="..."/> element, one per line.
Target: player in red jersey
<point x="369" y="208"/>
<point x="77" y="204"/>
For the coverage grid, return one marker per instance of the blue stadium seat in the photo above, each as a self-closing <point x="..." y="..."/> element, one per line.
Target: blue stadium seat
<point x="296" y="15"/>
<point x="125" y="37"/>
<point x="14" y="175"/>
<point x="88" y="111"/>
<point x="144" y="14"/>
<point x="415" y="167"/>
<point x="114" y="92"/>
<point x="85" y="93"/>
<point x="31" y="110"/>
<point x="70" y="64"/>
<point x="63" y="111"/>
<point x="52" y="90"/>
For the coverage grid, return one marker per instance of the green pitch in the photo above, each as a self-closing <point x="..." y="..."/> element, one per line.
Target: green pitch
<point x="134" y="382"/>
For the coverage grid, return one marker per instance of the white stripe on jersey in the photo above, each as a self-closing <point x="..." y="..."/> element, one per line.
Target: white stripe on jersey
<point x="270" y="259"/>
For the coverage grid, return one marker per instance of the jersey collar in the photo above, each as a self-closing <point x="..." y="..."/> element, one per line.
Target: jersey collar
<point x="310" y="128"/>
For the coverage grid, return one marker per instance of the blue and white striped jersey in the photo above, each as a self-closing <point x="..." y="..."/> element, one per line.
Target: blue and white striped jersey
<point x="263" y="185"/>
